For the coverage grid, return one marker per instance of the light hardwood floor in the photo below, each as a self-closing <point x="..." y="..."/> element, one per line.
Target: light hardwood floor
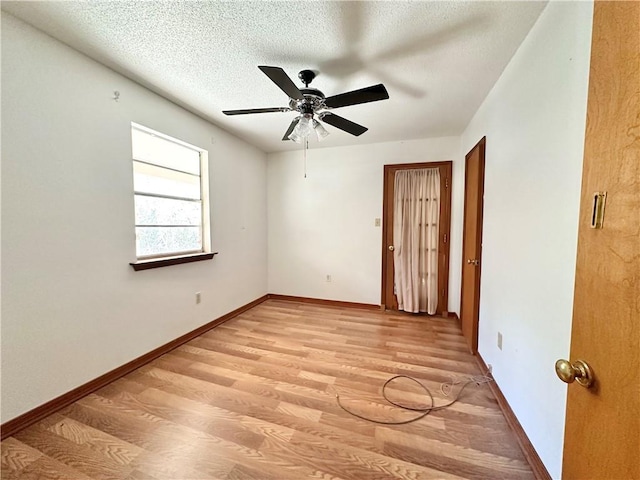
<point x="255" y="399"/>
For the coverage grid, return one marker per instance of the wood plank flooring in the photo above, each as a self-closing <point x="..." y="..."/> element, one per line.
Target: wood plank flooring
<point x="255" y="398"/>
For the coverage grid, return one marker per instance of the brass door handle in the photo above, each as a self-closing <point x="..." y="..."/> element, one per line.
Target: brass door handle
<point x="391" y="247"/>
<point x="473" y="262"/>
<point x="579" y="371"/>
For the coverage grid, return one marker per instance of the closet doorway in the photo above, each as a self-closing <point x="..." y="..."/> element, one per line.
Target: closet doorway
<point x="472" y="244"/>
<point x="389" y="299"/>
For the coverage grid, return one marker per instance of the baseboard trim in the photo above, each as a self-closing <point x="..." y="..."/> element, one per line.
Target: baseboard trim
<point x="539" y="470"/>
<point x="453" y="315"/>
<point x="321" y="301"/>
<point x="32" y="416"/>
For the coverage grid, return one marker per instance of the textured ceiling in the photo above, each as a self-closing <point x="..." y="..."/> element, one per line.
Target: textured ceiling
<point x="438" y="60"/>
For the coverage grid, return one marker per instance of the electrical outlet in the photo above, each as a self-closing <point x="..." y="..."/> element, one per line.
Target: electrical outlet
<point x="499" y="340"/>
<point x="328" y="278"/>
<point x="198" y="297"/>
<point x="489" y="368"/>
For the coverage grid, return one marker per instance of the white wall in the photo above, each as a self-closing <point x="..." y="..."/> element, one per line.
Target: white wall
<point x="72" y="307"/>
<point x="324" y="224"/>
<point x="534" y="120"/>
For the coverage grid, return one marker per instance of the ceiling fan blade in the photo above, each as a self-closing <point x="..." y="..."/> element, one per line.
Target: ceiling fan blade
<point x="343" y="124"/>
<point x="364" y="95"/>
<point x="282" y="80"/>
<point x="256" y="110"/>
<point x="290" y="129"/>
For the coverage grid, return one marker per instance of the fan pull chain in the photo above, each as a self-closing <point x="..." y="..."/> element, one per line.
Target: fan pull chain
<point x="306" y="147"/>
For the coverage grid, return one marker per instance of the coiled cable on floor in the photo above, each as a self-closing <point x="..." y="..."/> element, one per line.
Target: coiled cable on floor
<point x="446" y="387"/>
<point x="424" y="411"/>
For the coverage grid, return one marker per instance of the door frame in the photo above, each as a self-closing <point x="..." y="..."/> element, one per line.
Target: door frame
<point x="481" y="146"/>
<point x="388" y="300"/>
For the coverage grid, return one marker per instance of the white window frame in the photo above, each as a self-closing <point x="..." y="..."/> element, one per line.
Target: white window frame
<point x="204" y="198"/>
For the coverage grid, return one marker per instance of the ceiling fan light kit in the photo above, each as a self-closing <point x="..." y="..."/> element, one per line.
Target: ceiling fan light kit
<point x="302" y="129"/>
<point x="311" y="101"/>
<point x="321" y="132"/>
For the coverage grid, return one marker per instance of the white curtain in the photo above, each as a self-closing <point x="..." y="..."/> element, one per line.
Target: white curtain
<point x="416" y="215"/>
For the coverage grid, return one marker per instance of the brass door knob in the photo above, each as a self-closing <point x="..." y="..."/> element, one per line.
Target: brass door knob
<point x="391" y="247"/>
<point x="579" y="371"/>
<point x="471" y="261"/>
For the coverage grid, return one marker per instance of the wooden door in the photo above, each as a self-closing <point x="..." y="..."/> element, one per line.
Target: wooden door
<point x="472" y="244"/>
<point x="388" y="299"/>
<point x="602" y="425"/>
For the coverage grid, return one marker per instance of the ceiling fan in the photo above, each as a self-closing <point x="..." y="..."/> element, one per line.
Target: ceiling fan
<point x="311" y="101"/>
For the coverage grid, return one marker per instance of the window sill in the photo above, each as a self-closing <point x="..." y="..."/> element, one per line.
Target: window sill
<point x="168" y="261"/>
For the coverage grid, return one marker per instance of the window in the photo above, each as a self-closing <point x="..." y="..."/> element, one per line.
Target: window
<point x="170" y="189"/>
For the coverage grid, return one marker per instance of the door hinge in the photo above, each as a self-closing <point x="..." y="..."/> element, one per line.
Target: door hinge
<point x="446" y="183"/>
<point x="445" y="238"/>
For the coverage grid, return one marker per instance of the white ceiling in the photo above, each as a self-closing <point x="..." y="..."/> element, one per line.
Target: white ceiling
<point x="438" y="60"/>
